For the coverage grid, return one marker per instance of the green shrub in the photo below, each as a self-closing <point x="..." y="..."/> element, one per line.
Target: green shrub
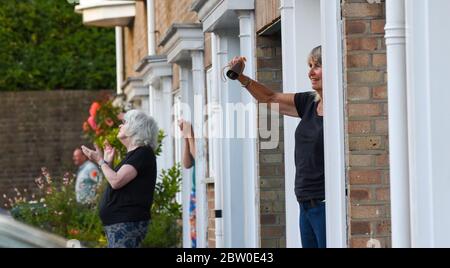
<point x="165" y="230"/>
<point x="55" y="210"/>
<point x="44" y="45"/>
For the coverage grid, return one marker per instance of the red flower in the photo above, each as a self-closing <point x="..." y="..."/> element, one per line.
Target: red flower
<point x="94" y="108"/>
<point x="109" y="122"/>
<point x="74" y="232"/>
<point x="91" y="122"/>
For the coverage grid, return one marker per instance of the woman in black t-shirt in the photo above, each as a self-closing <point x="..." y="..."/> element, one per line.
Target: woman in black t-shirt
<point x="126" y="202"/>
<point x="309" y="148"/>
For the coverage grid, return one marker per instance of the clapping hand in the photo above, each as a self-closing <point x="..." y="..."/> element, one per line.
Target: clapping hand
<point x="109" y="152"/>
<point x="95" y="156"/>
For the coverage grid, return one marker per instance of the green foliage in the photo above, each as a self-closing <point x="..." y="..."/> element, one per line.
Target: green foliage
<point x="55" y="210"/>
<point x="164" y="229"/>
<point x="166" y="190"/>
<point x="161" y="136"/>
<point x="164" y="232"/>
<point x="44" y="45"/>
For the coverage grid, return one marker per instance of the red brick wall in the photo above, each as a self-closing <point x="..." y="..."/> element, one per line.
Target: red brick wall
<point x="135" y="40"/>
<point x="211" y="236"/>
<point x="366" y="123"/>
<point x="169" y="12"/>
<point x="40" y="129"/>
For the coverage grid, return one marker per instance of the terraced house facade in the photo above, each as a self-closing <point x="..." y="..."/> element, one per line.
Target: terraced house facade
<point x="384" y="92"/>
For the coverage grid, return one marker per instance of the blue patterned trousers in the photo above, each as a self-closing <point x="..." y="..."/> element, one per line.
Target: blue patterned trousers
<point x="126" y="234"/>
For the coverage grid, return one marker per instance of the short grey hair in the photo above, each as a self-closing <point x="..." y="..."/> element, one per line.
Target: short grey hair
<point x="141" y="128"/>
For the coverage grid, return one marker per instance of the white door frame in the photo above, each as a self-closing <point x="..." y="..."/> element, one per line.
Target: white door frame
<point x="321" y="24"/>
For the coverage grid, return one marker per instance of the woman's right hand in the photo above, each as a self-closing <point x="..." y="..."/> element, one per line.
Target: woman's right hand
<point x="109" y="152"/>
<point x="238" y="59"/>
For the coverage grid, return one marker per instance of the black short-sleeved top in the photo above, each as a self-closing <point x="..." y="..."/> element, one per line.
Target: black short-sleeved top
<point x="309" y="150"/>
<point x="132" y="202"/>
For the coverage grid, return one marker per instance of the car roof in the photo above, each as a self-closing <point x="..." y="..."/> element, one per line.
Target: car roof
<point x="14" y="234"/>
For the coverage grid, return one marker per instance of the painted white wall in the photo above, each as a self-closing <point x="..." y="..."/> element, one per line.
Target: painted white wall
<point x="301" y="32"/>
<point x="429" y="129"/>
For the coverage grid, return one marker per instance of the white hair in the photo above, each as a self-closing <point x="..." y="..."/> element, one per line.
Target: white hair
<point x="141" y="128"/>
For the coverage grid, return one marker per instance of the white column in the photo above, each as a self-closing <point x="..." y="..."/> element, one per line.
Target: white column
<point x="119" y="59"/>
<point x="151" y="100"/>
<point x="214" y="141"/>
<point x="334" y="124"/>
<point x="144" y="105"/>
<point x="398" y="127"/>
<point x="250" y="176"/>
<point x="198" y="80"/>
<point x="186" y="106"/>
<point x="151" y="27"/>
<point x="288" y="26"/>
<point x="231" y="149"/>
<point x="166" y="123"/>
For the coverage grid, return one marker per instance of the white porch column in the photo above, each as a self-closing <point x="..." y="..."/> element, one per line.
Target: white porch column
<point x="288" y="26"/>
<point x="215" y="124"/>
<point x="398" y="126"/>
<point x="231" y="148"/>
<point x="167" y="121"/>
<point x="250" y="176"/>
<point x="336" y="214"/>
<point x="151" y="100"/>
<point x="198" y="79"/>
<point x="187" y="104"/>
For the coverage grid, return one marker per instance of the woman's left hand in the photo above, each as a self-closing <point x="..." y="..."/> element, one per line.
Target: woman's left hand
<point x="95" y="156"/>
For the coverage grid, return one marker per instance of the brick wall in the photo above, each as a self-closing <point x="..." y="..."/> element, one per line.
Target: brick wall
<point x="135" y="40"/>
<point x="271" y="162"/>
<point x="40" y="129"/>
<point x="169" y="12"/>
<point x="211" y="235"/>
<point x="366" y="123"/>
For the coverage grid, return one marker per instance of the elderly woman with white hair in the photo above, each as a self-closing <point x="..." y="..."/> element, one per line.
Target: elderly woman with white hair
<point x="126" y="202"/>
